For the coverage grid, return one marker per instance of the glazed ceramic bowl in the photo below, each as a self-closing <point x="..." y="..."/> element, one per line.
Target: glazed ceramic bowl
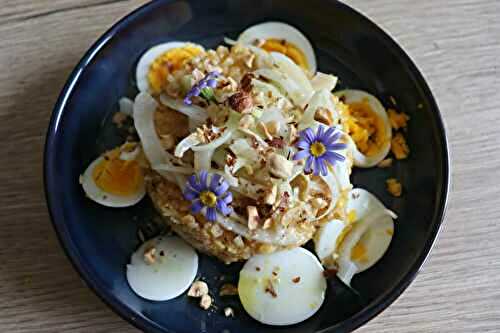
<point x="99" y="240"/>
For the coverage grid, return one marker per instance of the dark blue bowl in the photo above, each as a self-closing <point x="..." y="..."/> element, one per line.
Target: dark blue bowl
<point x="99" y="240"/>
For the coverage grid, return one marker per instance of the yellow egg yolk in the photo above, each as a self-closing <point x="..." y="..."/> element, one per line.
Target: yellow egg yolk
<point x="289" y="49"/>
<point x="168" y="62"/>
<point x="365" y="128"/>
<point x="118" y="177"/>
<point x="358" y="252"/>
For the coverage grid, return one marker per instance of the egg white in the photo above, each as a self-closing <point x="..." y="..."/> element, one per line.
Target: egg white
<point x="280" y="30"/>
<point x="169" y="276"/>
<point x="294" y="301"/>
<point x="360" y="159"/>
<point x="104" y="198"/>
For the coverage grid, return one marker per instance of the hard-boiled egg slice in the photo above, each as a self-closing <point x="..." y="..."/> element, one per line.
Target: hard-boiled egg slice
<point x="325" y="239"/>
<point x="368" y="126"/>
<point x="369" y="237"/>
<point x="115" y="179"/>
<point x="162" y="268"/>
<point x="282" y="288"/>
<point x="157" y="62"/>
<point x="282" y="38"/>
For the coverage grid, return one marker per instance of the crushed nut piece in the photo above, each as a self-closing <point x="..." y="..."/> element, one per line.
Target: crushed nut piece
<point x="167" y="141"/>
<point x="399" y="147"/>
<point x="198" y="289"/>
<point x="253" y="217"/>
<point x="247" y="121"/>
<point x="296" y="279"/>
<point x="246" y="82"/>
<point x="150" y="255"/>
<point x="397" y="119"/>
<point x="270" y="289"/>
<point x="267" y="223"/>
<point x="216" y="230"/>
<point x="323" y="115"/>
<point x="279" y="166"/>
<point x="273" y="127"/>
<point x="276" y="143"/>
<point x="261" y="126"/>
<point x="228" y="312"/>
<point x="270" y="196"/>
<point x="205" y="302"/>
<point x="241" y="101"/>
<point x="319" y="203"/>
<point x="119" y="118"/>
<point x="228" y="289"/>
<point x="294" y="135"/>
<point x="385" y="163"/>
<point x="394" y="187"/>
<point x="238" y="241"/>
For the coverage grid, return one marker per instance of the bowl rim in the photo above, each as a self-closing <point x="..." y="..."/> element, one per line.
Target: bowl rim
<point x="374" y="308"/>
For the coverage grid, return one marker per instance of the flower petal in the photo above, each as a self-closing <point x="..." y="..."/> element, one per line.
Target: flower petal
<point x="303" y="144"/>
<point x="203" y="179"/>
<point x="309" y="162"/>
<point x="222" y="207"/>
<point x="214" y="182"/>
<point x="194" y="183"/>
<point x="190" y="195"/>
<point x="228" y="198"/>
<point x="333" y="157"/>
<point x="196" y="207"/>
<point x="329" y="132"/>
<point x="336" y="146"/>
<point x="322" y="166"/>
<point x="211" y="214"/>
<point x="307" y="135"/>
<point x="319" y="133"/>
<point x="301" y="155"/>
<point x="317" y="166"/>
<point x="333" y="138"/>
<point x="223" y="187"/>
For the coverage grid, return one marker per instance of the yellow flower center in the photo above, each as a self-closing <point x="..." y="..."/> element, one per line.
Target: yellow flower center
<point x="208" y="198"/>
<point x="317" y="149"/>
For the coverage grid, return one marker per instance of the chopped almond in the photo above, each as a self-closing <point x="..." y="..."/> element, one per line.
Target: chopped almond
<point x="399" y="147"/>
<point x="385" y="163"/>
<point x="325" y="116"/>
<point x="394" y="187"/>
<point x="150" y="255"/>
<point x="228" y="312"/>
<point x="397" y="119"/>
<point x="253" y="217"/>
<point x="205" y="302"/>
<point x="279" y="166"/>
<point x="198" y="289"/>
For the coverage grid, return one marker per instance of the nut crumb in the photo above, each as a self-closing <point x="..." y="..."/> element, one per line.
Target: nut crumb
<point x="279" y="166"/>
<point x="270" y="289"/>
<point x="205" y="302"/>
<point x="394" y="187"/>
<point x="228" y="289"/>
<point x="240" y="101"/>
<point x="228" y="312"/>
<point x="198" y="289"/>
<point x="253" y="217"/>
<point x="385" y="163"/>
<point x="150" y="255"/>
<point x="246" y="122"/>
<point x="296" y="279"/>
<point x="323" y="115"/>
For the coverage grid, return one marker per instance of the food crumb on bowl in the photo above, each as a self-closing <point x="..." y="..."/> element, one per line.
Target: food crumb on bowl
<point x="399" y="147"/>
<point x="394" y="187"/>
<point x="397" y="119"/>
<point x="205" y="302"/>
<point x="198" y="289"/>
<point x="228" y="312"/>
<point x="228" y="289"/>
<point x="386" y="163"/>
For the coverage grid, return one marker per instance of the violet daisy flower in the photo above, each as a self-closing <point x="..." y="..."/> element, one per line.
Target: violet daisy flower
<point x="319" y="149"/>
<point x="213" y="196"/>
<point x="208" y="82"/>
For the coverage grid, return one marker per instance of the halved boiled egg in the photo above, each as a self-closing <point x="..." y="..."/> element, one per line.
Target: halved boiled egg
<point x="162" y="268"/>
<point x="370" y="236"/>
<point x="160" y="60"/>
<point x="282" y="38"/>
<point x="282" y="288"/>
<point x="326" y="238"/>
<point x="116" y="178"/>
<point x="368" y="126"/>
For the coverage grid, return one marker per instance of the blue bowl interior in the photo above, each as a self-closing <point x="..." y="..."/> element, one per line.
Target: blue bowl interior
<point x="99" y="240"/>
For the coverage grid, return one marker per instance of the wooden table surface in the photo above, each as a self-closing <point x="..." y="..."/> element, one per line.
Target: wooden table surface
<point x="455" y="43"/>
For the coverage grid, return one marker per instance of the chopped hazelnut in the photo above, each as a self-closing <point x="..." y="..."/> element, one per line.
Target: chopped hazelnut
<point x="270" y="196"/>
<point x="167" y="141"/>
<point x="247" y="121"/>
<point x="325" y="116"/>
<point x="150" y="255"/>
<point x="240" y="101"/>
<point x="205" y="302"/>
<point x="198" y="289"/>
<point x="279" y="166"/>
<point x="228" y="312"/>
<point x="253" y="217"/>
<point x="273" y="127"/>
<point x="385" y="163"/>
<point x="228" y="289"/>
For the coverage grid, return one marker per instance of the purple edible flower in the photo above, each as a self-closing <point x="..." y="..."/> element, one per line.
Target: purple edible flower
<point x="212" y="195"/>
<point x="319" y="149"/>
<point x="209" y="81"/>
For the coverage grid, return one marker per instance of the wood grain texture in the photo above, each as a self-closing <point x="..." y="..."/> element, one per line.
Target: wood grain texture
<point x="455" y="43"/>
